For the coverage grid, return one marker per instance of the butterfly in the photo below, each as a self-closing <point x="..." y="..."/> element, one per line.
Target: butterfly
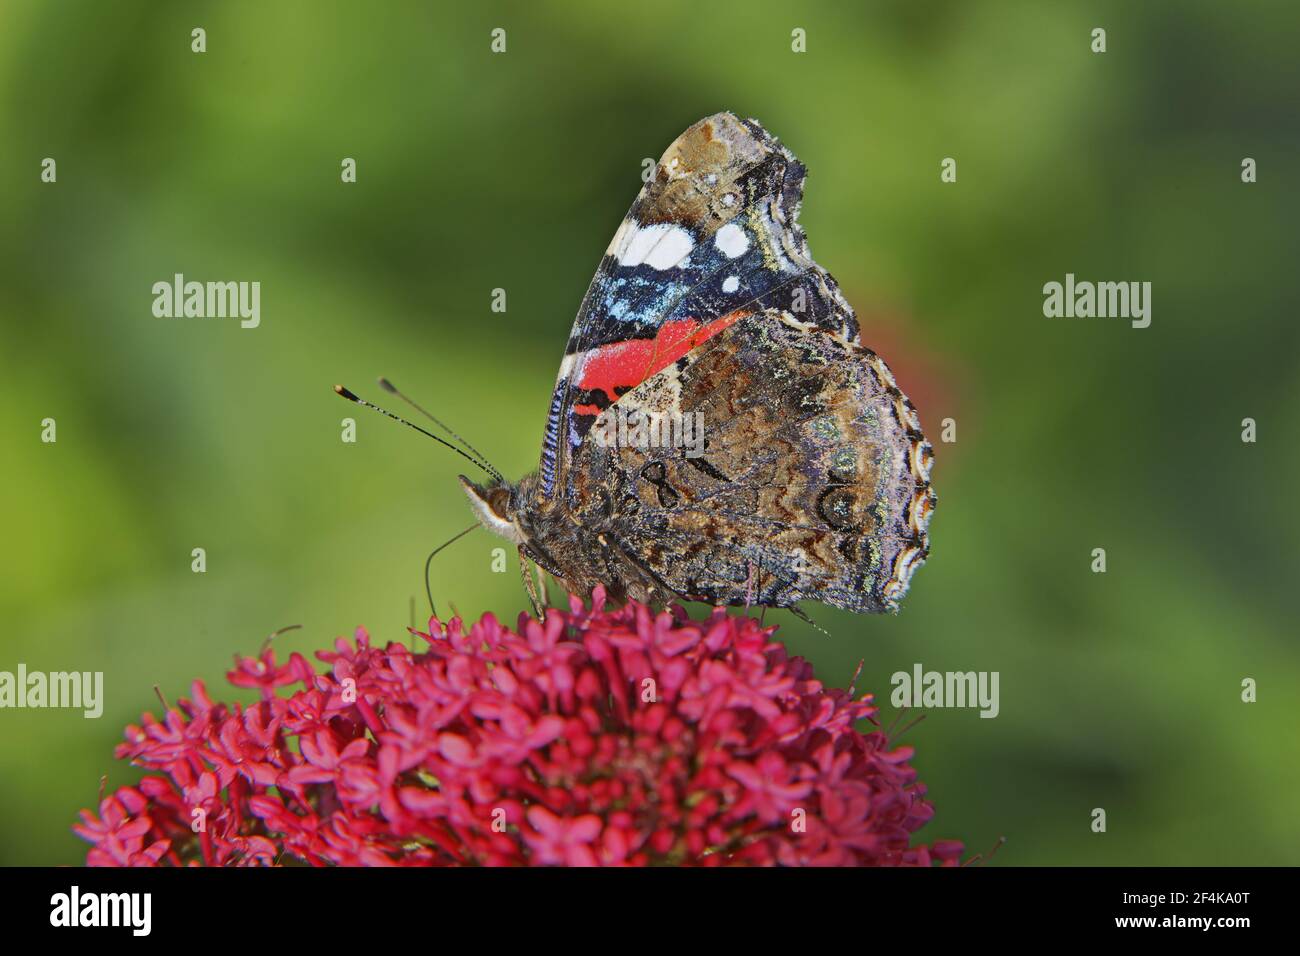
<point x="717" y="432"/>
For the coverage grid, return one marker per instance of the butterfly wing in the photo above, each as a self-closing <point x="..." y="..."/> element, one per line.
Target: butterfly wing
<point x="712" y="237"/>
<point x="814" y="482"/>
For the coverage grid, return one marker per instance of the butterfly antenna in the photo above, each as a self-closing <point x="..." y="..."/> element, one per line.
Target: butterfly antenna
<point x="388" y="386"/>
<point x="352" y="397"/>
<point x="799" y="613"/>
<point x="979" y="859"/>
<point x="428" y="589"/>
<point x="266" y="644"/>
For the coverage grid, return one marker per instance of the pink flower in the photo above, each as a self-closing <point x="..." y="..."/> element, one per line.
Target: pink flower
<point x="597" y="737"/>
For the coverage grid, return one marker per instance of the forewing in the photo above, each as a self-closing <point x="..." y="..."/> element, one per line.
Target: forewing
<point x="714" y="236"/>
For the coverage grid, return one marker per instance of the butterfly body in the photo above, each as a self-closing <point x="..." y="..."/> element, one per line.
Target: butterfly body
<point x="809" y="478"/>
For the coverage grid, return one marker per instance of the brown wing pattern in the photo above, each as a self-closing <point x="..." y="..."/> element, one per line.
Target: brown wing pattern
<point x="814" y="482"/>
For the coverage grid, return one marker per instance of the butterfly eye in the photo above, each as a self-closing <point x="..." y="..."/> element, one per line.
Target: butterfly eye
<point x="499" y="501"/>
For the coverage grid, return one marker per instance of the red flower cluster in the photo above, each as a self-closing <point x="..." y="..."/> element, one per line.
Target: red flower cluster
<point x="596" y="737"/>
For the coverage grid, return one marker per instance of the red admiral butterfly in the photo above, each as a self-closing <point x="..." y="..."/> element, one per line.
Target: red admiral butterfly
<point x="772" y="458"/>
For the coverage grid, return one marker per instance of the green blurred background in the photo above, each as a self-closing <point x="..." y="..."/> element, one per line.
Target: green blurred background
<point x="479" y="171"/>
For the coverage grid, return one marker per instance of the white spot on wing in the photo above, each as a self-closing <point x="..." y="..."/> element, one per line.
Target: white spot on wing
<point x="731" y="240"/>
<point x="618" y="244"/>
<point x="730" y="284"/>
<point x="661" y="246"/>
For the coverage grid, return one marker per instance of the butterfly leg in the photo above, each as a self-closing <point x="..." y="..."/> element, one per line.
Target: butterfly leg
<point x="541" y="587"/>
<point x="539" y="609"/>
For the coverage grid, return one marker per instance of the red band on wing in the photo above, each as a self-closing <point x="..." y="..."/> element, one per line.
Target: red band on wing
<point x="620" y="366"/>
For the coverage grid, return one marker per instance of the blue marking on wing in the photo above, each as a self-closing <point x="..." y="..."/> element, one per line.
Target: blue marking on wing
<point x="552" y="439"/>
